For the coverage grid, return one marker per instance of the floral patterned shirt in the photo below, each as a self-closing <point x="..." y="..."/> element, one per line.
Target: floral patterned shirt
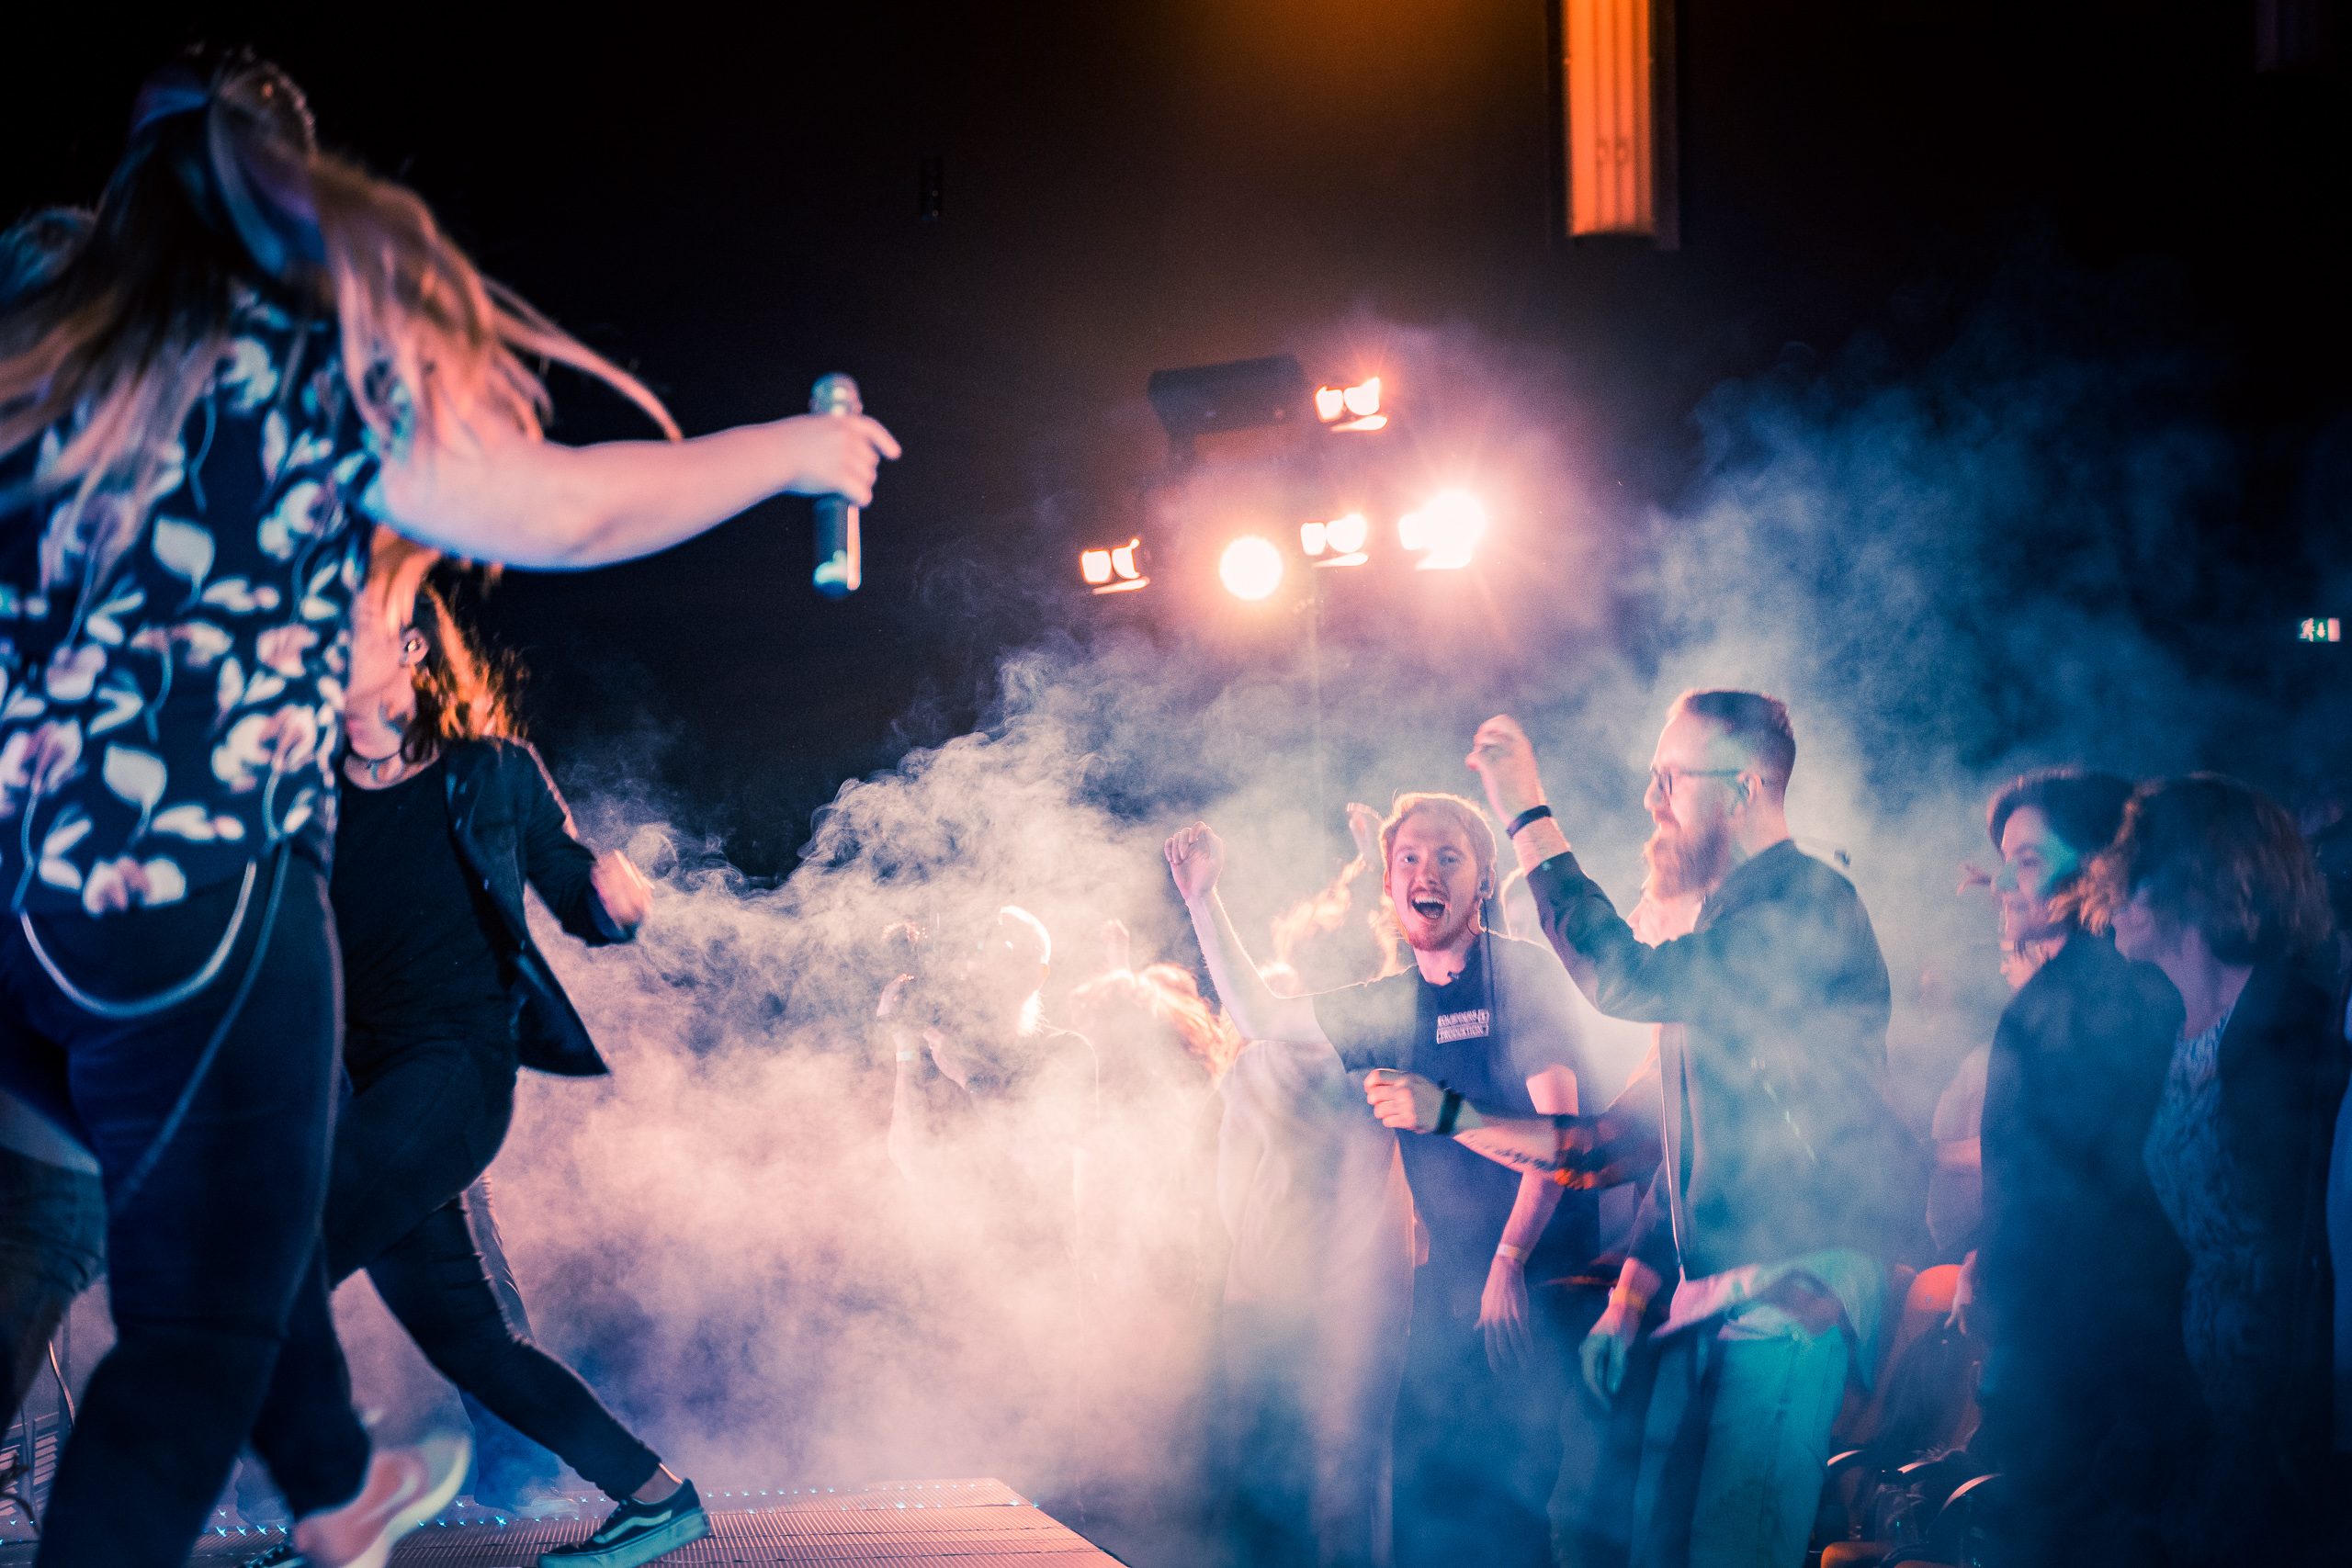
<point x="171" y="716"/>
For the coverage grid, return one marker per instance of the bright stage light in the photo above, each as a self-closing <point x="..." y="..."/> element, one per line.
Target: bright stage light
<point x="1116" y="570"/>
<point x="1347" y="534"/>
<point x="1314" y="538"/>
<point x="1445" y="532"/>
<point x="1359" y="405"/>
<point x="1250" y="567"/>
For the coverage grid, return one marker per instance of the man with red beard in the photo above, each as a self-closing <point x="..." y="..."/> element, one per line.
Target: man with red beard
<point x="1477" y="1436"/>
<point x="1785" y="1181"/>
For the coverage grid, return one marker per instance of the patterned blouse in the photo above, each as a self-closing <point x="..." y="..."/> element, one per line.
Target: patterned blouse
<point x="169" y="720"/>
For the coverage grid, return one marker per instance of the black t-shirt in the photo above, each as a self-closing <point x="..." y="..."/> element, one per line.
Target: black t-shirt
<point x="421" y="960"/>
<point x="1485" y="1048"/>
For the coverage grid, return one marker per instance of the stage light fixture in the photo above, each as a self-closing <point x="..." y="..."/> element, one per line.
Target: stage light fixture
<point x="1250" y="567"/>
<point x="1616" y="80"/>
<point x="1314" y="538"/>
<point x="1347" y="535"/>
<point x="1445" y="532"/>
<point x="1358" y="406"/>
<point x="1116" y="570"/>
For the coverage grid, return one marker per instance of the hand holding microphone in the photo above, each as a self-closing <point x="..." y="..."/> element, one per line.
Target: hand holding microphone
<point x="834" y="452"/>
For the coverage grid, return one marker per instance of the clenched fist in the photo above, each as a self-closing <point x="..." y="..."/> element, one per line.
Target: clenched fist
<point x="623" y="895"/>
<point x="1502" y="756"/>
<point x="1195" y="856"/>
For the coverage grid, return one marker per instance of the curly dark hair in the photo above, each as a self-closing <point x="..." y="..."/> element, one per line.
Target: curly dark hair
<point x="2220" y="856"/>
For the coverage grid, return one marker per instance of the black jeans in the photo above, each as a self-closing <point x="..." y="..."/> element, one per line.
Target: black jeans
<point x="213" y="1260"/>
<point x="53" y="1244"/>
<point x="508" y="1466"/>
<point x="423" y="1123"/>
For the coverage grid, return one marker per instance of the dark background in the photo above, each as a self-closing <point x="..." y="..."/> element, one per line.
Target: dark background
<point x="729" y="203"/>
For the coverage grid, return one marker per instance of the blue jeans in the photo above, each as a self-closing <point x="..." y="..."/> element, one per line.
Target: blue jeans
<point x="216" y="1253"/>
<point x="1736" y="1442"/>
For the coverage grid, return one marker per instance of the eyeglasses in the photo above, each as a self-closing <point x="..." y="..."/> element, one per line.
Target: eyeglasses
<point x="1663" y="779"/>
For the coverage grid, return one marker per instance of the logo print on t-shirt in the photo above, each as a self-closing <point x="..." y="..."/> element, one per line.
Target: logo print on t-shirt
<point x="1471" y="1025"/>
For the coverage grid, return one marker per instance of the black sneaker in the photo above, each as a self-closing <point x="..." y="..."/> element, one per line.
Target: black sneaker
<point x="637" y="1532"/>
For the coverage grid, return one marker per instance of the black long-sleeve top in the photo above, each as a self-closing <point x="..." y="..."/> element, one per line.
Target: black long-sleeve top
<point x="1778" y="1139"/>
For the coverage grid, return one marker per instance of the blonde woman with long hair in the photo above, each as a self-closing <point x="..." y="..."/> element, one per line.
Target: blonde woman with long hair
<point x="253" y="352"/>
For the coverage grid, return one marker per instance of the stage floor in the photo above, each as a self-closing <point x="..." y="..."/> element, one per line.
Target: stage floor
<point x="888" y="1525"/>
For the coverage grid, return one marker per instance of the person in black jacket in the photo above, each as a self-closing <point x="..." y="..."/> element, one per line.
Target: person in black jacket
<point x="446" y="819"/>
<point x="2076" y="1281"/>
<point x="1786" y="1184"/>
<point x="2210" y="881"/>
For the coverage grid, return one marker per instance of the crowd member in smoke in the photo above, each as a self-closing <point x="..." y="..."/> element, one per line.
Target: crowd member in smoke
<point x="990" y="1098"/>
<point x="991" y="1111"/>
<point x="1148" y="1237"/>
<point x="256" y="346"/>
<point x="2210" y="882"/>
<point x="2076" y="1282"/>
<point x="1318" y="1293"/>
<point x="1592" y="1502"/>
<point x="1478" y="1425"/>
<point x="447" y="817"/>
<point x="1320" y="1252"/>
<point x="1781" y="1195"/>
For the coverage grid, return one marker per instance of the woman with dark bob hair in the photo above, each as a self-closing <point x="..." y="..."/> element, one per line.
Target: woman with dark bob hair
<point x="2084" y="1374"/>
<point x="2210" y="881"/>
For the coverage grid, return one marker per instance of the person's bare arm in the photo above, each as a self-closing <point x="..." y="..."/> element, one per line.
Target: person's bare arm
<point x="1195" y="857"/>
<point x="540" y="504"/>
<point x="1533" y="1145"/>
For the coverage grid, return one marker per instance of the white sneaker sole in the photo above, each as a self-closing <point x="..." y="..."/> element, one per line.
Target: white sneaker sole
<point x="448" y="1457"/>
<point x="682" y="1531"/>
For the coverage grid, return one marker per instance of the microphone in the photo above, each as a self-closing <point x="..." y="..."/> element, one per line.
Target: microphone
<point x="839" y="565"/>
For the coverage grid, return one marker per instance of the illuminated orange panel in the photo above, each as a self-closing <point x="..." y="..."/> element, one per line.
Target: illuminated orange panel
<point x="1612" y="169"/>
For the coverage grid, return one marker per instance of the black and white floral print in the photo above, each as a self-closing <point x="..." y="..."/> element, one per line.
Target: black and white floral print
<point x="170" y="717"/>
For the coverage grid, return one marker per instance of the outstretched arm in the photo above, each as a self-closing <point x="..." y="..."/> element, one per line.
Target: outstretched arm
<point x="1195" y="856"/>
<point x="540" y="504"/>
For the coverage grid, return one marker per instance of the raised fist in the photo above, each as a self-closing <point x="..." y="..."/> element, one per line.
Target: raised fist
<point x="1501" y="755"/>
<point x="1195" y="856"/>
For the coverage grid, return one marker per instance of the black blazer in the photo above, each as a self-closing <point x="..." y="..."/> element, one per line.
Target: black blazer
<point x="2282" y="1073"/>
<point x="512" y="829"/>
<point x="2077" y="1263"/>
<point x="1777" y="1140"/>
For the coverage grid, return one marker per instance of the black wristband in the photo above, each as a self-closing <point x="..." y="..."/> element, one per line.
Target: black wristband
<point x="1533" y="814"/>
<point x="1449" y="1111"/>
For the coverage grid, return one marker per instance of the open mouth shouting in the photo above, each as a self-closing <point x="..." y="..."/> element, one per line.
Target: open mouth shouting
<point x="1431" y="907"/>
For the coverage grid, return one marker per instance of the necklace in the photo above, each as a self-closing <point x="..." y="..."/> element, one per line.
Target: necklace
<point x="374" y="767"/>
